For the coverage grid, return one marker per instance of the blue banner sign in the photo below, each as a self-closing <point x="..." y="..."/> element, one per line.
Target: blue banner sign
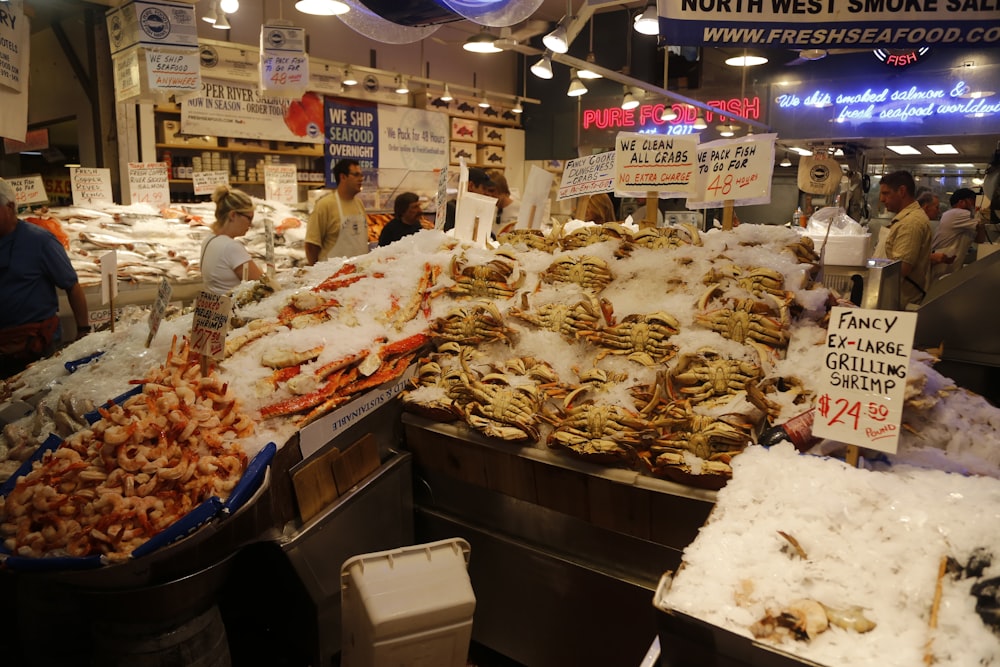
<point x="351" y="132"/>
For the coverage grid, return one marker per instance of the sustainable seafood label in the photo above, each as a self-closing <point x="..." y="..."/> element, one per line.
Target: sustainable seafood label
<point x="205" y="182"/>
<point x="149" y="183"/>
<point x="653" y="162"/>
<point x="867" y="360"/>
<point x="587" y="175"/>
<point x="89" y="185"/>
<point x="281" y="183"/>
<point x="737" y="170"/>
<point x="210" y="324"/>
<point x="28" y="189"/>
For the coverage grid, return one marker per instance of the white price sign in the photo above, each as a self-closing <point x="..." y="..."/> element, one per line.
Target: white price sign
<point x="655" y="163"/>
<point x="149" y="183"/>
<point x="737" y="170"/>
<point x="861" y="391"/>
<point x="210" y="324"/>
<point x="205" y="182"/>
<point x="89" y="185"/>
<point x="281" y="183"/>
<point x="28" y="190"/>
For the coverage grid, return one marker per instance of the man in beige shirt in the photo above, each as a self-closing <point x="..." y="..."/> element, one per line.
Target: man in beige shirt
<point x="338" y="226"/>
<point x="908" y="236"/>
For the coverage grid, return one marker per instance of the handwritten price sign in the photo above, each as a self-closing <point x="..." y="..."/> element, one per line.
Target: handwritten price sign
<point x="28" y="190"/>
<point x="866" y="365"/>
<point x="655" y="162"/>
<point x="587" y="175"/>
<point x="210" y="324"/>
<point x="281" y="183"/>
<point x="149" y="183"/>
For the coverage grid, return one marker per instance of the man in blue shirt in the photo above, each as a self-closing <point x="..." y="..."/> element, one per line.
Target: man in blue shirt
<point x="32" y="265"/>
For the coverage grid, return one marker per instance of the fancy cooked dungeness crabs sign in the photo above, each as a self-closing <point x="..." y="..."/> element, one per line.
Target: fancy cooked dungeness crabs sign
<point x="665" y="164"/>
<point x="866" y="362"/>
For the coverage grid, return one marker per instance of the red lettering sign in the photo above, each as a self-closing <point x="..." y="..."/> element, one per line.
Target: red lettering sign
<point x="628" y="119"/>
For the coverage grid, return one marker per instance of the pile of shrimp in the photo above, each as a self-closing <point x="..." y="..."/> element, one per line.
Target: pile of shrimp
<point x="144" y="464"/>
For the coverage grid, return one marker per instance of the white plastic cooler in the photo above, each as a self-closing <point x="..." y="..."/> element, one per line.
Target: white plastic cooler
<point x="408" y="607"/>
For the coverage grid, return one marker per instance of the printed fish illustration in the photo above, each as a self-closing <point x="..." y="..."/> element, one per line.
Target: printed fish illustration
<point x="438" y="102"/>
<point x="493" y="134"/>
<point x="509" y="115"/>
<point x="463" y="153"/>
<point x="465" y="106"/>
<point x="494" y="158"/>
<point x="490" y="111"/>
<point x="462" y="131"/>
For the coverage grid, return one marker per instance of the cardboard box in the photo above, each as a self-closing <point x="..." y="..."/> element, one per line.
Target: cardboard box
<point x="465" y="108"/>
<point x="490" y="113"/>
<point x="152" y="24"/>
<point x="489" y="134"/>
<point x="509" y="117"/>
<point x="842" y="250"/>
<point x="460" y="149"/>
<point x="433" y="102"/>
<point x="490" y="156"/>
<point x="463" y="129"/>
<point x="170" y="134"/>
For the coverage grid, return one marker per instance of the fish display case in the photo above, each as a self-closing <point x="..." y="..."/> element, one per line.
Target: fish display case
<point x="558" y="544"/>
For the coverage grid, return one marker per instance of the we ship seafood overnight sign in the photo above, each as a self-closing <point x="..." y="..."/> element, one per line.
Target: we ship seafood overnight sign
<point x="866" y="363"/>
<point x="820" y="24"/>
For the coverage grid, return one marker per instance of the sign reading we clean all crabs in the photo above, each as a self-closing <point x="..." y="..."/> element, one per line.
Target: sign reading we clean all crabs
<point x="821" y="24"/>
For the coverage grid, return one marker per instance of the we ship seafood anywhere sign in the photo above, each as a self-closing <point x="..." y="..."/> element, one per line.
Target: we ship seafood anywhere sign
<point x="867" y="360"/>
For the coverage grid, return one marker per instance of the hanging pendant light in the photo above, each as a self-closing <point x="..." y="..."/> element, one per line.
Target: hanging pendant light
<point x="699" y="122"/>
<point x="557" y="41"/>
<point x="446" y="95"/>
<point x="726" y="130"/>
<point x="484" y="103"/>
<point x="482" y="42"/>
<point x="221" y="22"/>
<point x="647" y="23"/>
<point x="211" y="16"/>
<point x="629" y="101"/>
<point x="401" y="87"/>
<point x="587" y="73"/>
<point x="668" y="114"/>
<point x="543" y="68"/>
<point x="785" y="162"/>
<point x="349" y="78"/>
<point x="322" y="7"/>
<point x="576" y="87"/>
<point x="517" y="107"/>
<point x="229" y="6"/>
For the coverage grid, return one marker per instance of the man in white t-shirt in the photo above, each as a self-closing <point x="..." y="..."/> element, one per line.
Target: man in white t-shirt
<point x="960" y="226"/>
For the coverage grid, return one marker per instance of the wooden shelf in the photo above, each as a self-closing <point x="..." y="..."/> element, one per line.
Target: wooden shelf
<point x="187" y="181"/>
<point x="239" y="149"/>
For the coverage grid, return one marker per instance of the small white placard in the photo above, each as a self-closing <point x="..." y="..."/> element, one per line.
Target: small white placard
<point x="109" y="276"/>
<point x="474" y="215"/>
<point x="655" y="162"/>
<point x="90" y="185"/>
<point x="149" y="183"/>
<point x="861" y="391"/>
<point x="281" y="183"/>
<point x="28" y="190"/>
<point x="205" y="182"/>
<point x="588" y="175"/>
<point x="163" y="293"/>
<point x="737" y="170"/>
<point x="210" y="324"/>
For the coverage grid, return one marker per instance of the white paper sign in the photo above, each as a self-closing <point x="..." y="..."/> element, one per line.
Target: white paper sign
<point x="587" y="175"/>
<point x="284" y="65"/>
<point x="281" y="183"/>
<point x="14" y="45"/>
<point x="535" y="202"/>
<point x="474" y="215"/>
<point x="128" y="78"/>
<point x="737" y="170"/>
<point x="149" y="183"/>
<point x="90" y="185"/>
<point x="655" y="162"/>
<point x="269" y="242"/>
<point x="861" y="391"/>
<point x="109" y="276"/>
<point x="205" y="182"/>
<point x="163" y="293"/>
<point x="173" y="70"/>
<point x="28" y="189"/>
<point x="210" y="324"/>
<point x="412" y="138"/>
<point x="230" y="63"/>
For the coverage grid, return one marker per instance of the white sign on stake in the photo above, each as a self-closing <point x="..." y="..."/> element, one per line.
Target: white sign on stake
<point x="205" y="182"/>
<point x="149" y="183"/>
<point x="861" y="392"/>
<point x="281" y="183"/>
<point x="653" y="162"/>
<point x="737" y="170"/>
<point x="210" y="324"/>
<point x="588" y="175"/>
<point x="90" y="185"/>
<point x="535" y="201"/>
<point x="440" y="201"/>
<point x="474" y="215"/>
<point x="28" y="190"/>
<point x="109" y="276"/>
<point x="163" y="293"/>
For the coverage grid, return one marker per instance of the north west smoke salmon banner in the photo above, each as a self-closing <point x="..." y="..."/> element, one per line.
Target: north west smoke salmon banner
<point x="822" y="24"/>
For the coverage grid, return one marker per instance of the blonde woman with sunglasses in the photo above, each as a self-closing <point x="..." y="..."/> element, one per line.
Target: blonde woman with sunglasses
<point x="225" y="262"/>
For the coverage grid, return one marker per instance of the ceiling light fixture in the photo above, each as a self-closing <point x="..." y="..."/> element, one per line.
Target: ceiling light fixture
<point x="629" y="101"/>
<point x="349" y="78"/>
<point x="943" y="149"/>
<point x="401" y="87"/>
<point x="483" y="102"/>
<point x="322" y="7"/>
<point x="210" y="16"/>
<point x="904" y="150"/>
<point x="785" y="162"/>
<point x="557" y="41"/>
<point x="446" y="95"/>
<point x="517" y="107"/>
<point x="668" y="114"/>
<point x="726" y="130"/>
<point x="587" y="73"/>
<point x="576" y="87"/>
<point x="745" y="61"/>
<point x="482" y="42"/>
<point x="647" y="22"/>
<point x="699" y="122"/>
<point x="801" y="151"/>
<point x="221" y="22"/>
<point x="229" y="6"/>
<point x="977" y="179"/>
<point x="543" y="68"/>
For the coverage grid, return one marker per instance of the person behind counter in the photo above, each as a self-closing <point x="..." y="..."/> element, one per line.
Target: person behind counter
<point x="908" y="236"/>
<point x="599" y="209"/>
<point x="225" y="263"/>
<point x="480" y="183"/>
<point x="408" y="212"/>
<point x="338" y="226"/>
<point x="32" y="265"/>
<point x="509" y="207"/>
<point x="931" y="204"/>
<point x="960" y="226"/>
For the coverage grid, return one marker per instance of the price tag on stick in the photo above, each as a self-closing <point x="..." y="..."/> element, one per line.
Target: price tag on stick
<point x="210" y="324"/>
<point x="163" y="294"/>
<point x="867" y="361"/>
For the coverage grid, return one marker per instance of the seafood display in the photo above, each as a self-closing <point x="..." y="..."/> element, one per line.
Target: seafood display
<point x="142" y="465"/>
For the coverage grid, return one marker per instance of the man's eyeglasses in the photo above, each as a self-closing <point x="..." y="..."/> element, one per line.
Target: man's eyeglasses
<point x="359" y="174"/>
